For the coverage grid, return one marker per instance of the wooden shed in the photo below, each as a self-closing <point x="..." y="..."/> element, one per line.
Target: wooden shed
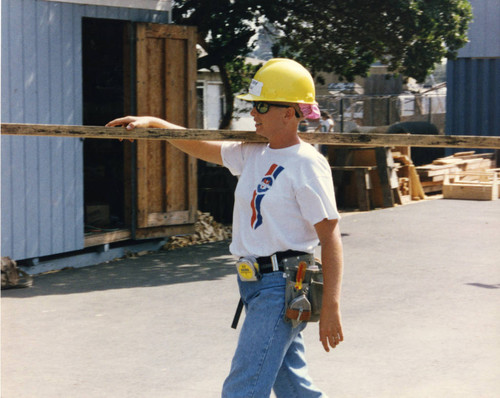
<point x="86" y="62"/>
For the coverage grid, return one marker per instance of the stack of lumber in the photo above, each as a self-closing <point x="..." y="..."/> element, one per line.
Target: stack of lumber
<point x="432" y="176"/>
<point x="206" y="230"/>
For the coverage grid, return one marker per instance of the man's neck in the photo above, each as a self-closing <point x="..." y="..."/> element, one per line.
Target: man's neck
<point x="284" y="141"/>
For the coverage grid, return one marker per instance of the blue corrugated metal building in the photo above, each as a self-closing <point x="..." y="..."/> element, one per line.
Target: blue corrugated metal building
<point x="473" y="79"/>
<point x="42" y="209"/>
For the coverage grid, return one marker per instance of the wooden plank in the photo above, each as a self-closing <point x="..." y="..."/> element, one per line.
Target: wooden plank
<point x="192" y="62"/>
<point x="169" y="218"/>
<point x="470" y="191"/>
<point x="436" y="170"/>
<point x="176" y="100"/>
<point x="107" y="237"/>
<point x="142" y="92"/>
<point x="157" y="232"/>
<point x="175" y="84"/>
<point x="349" y="139"/>
<point x="191" y="75"/>
<point x="155" y="176"/>
<point x="174" y="31"/>
<point x="142" y="187"/>
<point x="177" y="180"/>
<point x="155" y="64"/>
<point x="416" y="190"/>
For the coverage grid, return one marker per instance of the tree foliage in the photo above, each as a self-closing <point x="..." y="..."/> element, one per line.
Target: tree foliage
<point x="341" y="36"/>
<point x="410" y="36"/>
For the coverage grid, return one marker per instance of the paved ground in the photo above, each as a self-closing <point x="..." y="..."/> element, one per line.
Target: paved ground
<point x="420" y="307"/>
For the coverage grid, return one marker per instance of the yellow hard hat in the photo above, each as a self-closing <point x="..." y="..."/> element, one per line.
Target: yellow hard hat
<point x="281" y="80"/>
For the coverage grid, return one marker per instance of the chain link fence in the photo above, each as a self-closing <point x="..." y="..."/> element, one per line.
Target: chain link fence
<point x="358" y="113"/>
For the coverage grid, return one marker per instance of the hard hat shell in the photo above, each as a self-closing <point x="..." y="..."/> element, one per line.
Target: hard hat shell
<point x="281" y="80"/>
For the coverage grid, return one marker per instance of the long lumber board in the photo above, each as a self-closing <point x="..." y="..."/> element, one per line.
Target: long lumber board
<point x="346" y="139"/>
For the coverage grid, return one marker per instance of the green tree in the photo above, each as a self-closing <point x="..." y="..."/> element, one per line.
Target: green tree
<point x="341" y="36"/>
<point x="410" y="36"/>
<point x="225" y="29"/>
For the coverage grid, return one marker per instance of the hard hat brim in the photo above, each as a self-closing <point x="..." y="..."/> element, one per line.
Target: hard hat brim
<point x="250" y="97"/>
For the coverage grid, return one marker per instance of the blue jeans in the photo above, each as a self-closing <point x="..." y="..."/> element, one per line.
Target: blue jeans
<point x="270" y="353"/>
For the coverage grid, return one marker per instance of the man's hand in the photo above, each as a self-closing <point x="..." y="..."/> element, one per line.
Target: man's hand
<point x="131" y="122"/>
<point x="330" y="326"/>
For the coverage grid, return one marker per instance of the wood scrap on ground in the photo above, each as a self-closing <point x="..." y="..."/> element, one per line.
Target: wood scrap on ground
<point x="206" y="230"/>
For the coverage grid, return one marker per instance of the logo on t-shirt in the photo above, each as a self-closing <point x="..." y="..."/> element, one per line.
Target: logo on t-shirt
<point x="264" y="186"/>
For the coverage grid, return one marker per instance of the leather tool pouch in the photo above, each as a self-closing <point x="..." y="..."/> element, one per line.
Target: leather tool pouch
<point x="303" y="305"/>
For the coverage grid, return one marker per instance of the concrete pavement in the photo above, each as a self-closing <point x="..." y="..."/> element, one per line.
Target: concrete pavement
<point x="420" y="309"/>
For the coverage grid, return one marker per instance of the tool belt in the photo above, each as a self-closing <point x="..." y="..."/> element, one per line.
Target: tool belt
<point x="304" y="290"/>
<point x="304" y="282"/>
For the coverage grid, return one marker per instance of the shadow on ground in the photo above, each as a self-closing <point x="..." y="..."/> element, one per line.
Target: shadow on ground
<point x="191" y="264"/>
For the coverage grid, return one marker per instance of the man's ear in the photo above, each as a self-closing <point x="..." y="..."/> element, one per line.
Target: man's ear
<point x="290" y="113"/>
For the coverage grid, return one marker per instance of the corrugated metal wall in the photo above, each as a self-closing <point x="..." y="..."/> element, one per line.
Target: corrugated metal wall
<point x="473" y="79"/>
<point x="42" y="178"/>
<point x="484" y="30"/>
<point x="473" y="97"/>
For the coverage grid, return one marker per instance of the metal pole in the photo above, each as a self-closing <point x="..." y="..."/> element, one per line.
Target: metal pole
<point x="341" y="115"/>
<point x="430" y="109"/>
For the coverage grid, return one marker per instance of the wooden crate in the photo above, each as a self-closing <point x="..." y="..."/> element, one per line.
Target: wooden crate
<point x="471" y="185"/>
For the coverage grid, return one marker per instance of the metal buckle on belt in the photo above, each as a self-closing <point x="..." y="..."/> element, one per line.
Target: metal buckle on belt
<point x="275" y="263"/>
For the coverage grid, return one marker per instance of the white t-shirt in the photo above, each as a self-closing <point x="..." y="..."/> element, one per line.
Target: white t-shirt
<point x="281" y="194"/>
<point x="325" y="125"/>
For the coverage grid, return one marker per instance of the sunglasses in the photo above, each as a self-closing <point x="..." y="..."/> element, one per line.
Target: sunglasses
<point x="263" y="107"/>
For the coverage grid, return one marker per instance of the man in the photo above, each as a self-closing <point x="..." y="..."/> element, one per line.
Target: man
<point x="284" y="207"/>
<point x="325" y="124"/>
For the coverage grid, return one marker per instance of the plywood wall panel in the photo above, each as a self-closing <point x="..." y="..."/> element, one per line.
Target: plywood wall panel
<point x="165" y="82"/>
